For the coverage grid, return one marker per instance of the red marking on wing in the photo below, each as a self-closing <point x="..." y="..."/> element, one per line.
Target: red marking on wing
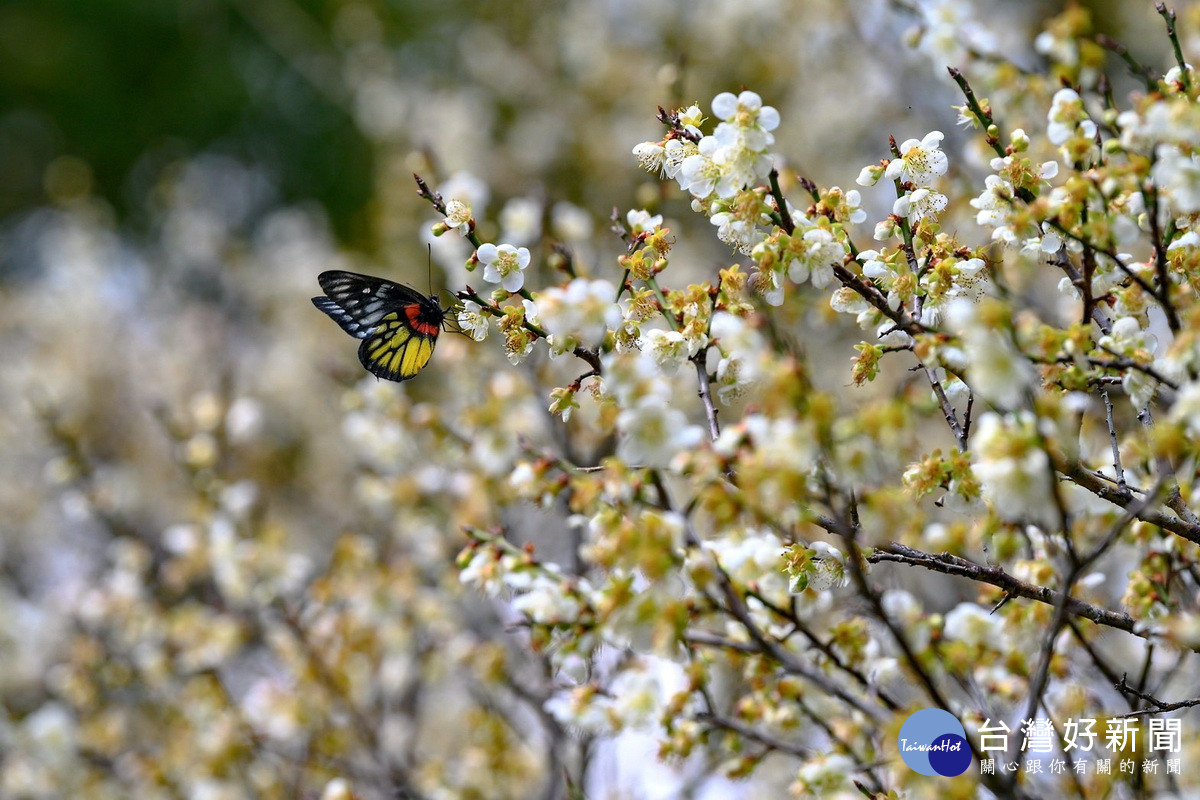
<point x="413" y="312"/>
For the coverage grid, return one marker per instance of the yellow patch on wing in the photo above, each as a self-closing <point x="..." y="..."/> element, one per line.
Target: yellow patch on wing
<point x="394" y="351"/>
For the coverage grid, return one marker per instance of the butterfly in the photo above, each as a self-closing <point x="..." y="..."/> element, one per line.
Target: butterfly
<point x="399" y="326"/>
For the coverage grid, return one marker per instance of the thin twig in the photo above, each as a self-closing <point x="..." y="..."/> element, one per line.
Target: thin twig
<point x="1112" y="437"/>
<point x="705" y="392"/>
<point x="1148" y="78"/>
<point x="785" y="219"/>
<point x="1160" y="259"/>
<point x="1082" y="476"/>
<point x="948" y="564"/>
<point x="960" y="434"/>
<point x="983" y="115"/>
<point x="1169" y="18"/>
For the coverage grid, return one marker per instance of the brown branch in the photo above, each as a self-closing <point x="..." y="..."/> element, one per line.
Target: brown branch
<point x="705" y="393"/>
<point x="754" y="734"/>
<point x="1082" y="476"/>
<point x="948" y="564"/>
<point x="1159" y="706"/>
<point x="1112" y="438"/>
<point x="1160" y="261"/>
<point x="960" y="433"/>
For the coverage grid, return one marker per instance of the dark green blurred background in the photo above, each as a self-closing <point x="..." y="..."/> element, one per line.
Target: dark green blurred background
<point x="130" y="85"/>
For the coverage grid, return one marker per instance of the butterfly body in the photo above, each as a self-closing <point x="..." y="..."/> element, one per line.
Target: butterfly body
<point x="399" y="326"/>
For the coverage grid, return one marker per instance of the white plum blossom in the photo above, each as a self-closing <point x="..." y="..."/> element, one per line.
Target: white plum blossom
<point x="651" y="156"/>
<point x="691" y="118"/>
<point x="578" y="314"/>
<point x="653" y="433"/>
<point x="740" y="165"/>
<point x="998" y="202"/>
<point x="734" y="374"/>
<point x="739" y="347"/>
<point x="465" y="188"/>
<point x="473" y="321"/>
<point x="1057" y="47"/>
<point x="524" y="481"/>
<point x="1047" y="244"/>
<point x="744" y="134"/>
<point x="1168" y="120"/>
<point x="518" y="349"/>
<point x="740" y="234"/>
<point x="1179" y="176"/>
<point x="998" y="371"/>
<point x="782" y="443"/>
<point x="244" y="419"/>
<point x="1068" y="117"/>
<point x="271" y="707"/>
<point x="582" y="709"/>
<point x="1013" y="471"/>
<point x="829" y="567"/>
<point x="920" y="161"/>
<point x="825" y="775"/>
<point x="733" y="333"/>
<point x="884" y="274"/>
<point x="504" y="265"/>
<point x="885" y="229"/>
<point x="746" y="113"/>
<point x="701" y="175"/>
<point x="570" y="222"/>
<point x="637" y="698"/>
<point x="1104" y="278"/>
<point x="1175" y="75"/>
<point x="853" y="200"/>
<point x="822" y="252"/>
<point x="545" y="602"/>
<point x="1186" y="409"/>
<point x="51" y="734"/>
<point x="734" y="155"/>
<point x="642" y="221"/>
<point x="675" y="152"/>
<point x="995" y="206"/>
<point x="949" y="34"/>
<point x="1128" y="338"/>
<point x="971" y="283"/>
<point x="869" y="175"/>
<point x="458" y="213"/>
<point x="667" y="349"/>
<point x="919" y="204"/>
<point x="521" y="220"/>
<point x="379" y="441"/>
<point x="845" y="300"/>
<point x="971" y="624"/>
<point x="900" y="606"/>
<point x="634" y="700"/>
<point x="491" y="575"/>
<point x="756" y="556"/>
<point x="337" y="789"/>
<point x="631" y="376"/>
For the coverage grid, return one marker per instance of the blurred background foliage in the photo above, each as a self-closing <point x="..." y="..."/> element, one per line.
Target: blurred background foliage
<point x="130" y="87"/>
<point x="173" y="176"/>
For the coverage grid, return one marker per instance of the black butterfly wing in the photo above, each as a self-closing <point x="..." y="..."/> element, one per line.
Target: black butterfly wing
<point x="359" y="302"/>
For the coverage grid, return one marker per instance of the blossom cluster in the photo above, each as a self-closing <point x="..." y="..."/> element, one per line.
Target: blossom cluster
<point x="706" y="540"/>
<point x="654" y="500"/>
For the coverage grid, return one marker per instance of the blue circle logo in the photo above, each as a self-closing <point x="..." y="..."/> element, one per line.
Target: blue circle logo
<point x="933" y="742"/>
